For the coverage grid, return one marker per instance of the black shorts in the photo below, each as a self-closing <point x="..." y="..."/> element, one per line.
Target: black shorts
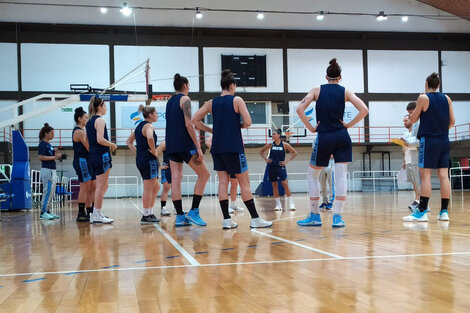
<point x="232" y="163"/>
<point x="84" y="170"/>
<point x="276" y="173"/>
<point x="180" y="157"/>
<point x="434" y="152"/>
<point x="232" y="176"/>
<point x="336" y="143"/>
<point x="148" y="168"/>
<point x="166" y="176"/>
<point x="100" y="162"/>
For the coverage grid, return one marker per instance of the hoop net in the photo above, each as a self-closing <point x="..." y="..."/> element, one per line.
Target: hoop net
<point x="161" y="98"/>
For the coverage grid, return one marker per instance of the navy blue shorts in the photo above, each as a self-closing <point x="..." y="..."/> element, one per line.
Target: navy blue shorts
<point x="232" y="163"/>
<point x="434" y="152"/>
<point x="148" y="168"/>
<point x="336" y="143"/>
<point x="180" y="157"/>
<point x="83" y="169"/>
<point x="276" y="173"/>
<point x="166" y="176"/>
<point x="100" y="162"/>
<point x="232" y="176"/>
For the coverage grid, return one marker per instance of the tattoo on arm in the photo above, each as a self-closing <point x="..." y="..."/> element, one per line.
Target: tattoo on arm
<point x="187" y="108"/>
<point x="303" y="101"/>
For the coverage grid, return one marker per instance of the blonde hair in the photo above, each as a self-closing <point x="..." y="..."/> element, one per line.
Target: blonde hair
<point x="95" y="102"/>
<point x="146" y="110"/>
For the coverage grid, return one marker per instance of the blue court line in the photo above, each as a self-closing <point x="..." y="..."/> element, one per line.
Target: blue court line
<point x="32" y="280"/>
<point x="73" y="273"/>
<point x="252" y="246"/>
<point x="145" y="261"/>
<point x="276" y="242"/>
<point x="299" y="240"/>
<point x="202" y="252"/>
<point x="111" y="266"/>
<point x="172" y="257"/>
<point x="227" y="249"/>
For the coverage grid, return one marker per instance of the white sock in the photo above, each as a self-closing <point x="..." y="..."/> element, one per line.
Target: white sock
<point x="96" y="211"/>
<point x="232" y="204"/>
<point x="289" y="199"/>
<point x="147" y="212"/>
<point x="278" y="201"/>
<point x="314" y="206"/>
<point x="338" y="206"/>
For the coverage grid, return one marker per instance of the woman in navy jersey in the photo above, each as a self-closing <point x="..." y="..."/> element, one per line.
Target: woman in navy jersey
<point x="47" y="155"/>
<point x="147" y="160"/>
<point x="165" y="178"/>
<point x="100" y="156"/>
<point x="228" y="152"/>
<point x="82" y="166"/>
<point x="277" y="167"/>
<point x="182" y="145"/>
<point x="436" y="115"/>
<point x="332" y="139"/>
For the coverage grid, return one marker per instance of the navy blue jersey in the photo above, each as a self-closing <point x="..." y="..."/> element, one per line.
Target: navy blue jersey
<point x="435" y="121"/>
<point x="46" y="149"/>
<point x="166" y="158"/>
<point x="95" y="147"/>
<point x="329" y="107"/>
<point x="227" y="135"/>
<point x="277" y="153"/>
<point x="177" y="136"/>
<point x="79" y="150"/>
<point x="142" y="143"/>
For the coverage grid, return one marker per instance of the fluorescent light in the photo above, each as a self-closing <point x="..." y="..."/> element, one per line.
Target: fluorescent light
<point x="103" y="10"/>
<point x="198" y="13"/>
<point x="126" y="11"/>
<point x="381" y="17"/>
<point x="321" y="16"/>
<point x="404" y="18"/>
<point x="260" y="15"/>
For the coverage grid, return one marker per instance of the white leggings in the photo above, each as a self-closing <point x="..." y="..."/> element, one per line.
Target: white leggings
<point x="48" y="178"/>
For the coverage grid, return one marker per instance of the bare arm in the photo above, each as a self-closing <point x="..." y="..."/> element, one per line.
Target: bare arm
<point x="359" y="105"/>
<point x="451" y="113"/>
<point x="262" y="152"/>
<point x="149" y="131"/>
<point x="130" y="142"/>
<point x="293" y="153"/>
<point x="309" y="98"/>
<point x="99" y="126"/>
<point x="50" y="158"/>
<point x="420" y="104"/>
<point x="161" y="147"/>
<point x="199" y="116"/>
<point x="185" y="103"/>
<point x="240" y="107"/>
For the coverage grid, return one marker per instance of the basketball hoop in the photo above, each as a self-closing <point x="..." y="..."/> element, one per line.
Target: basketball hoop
<point x="160" y="99"/>
<point x="288" y="135"/>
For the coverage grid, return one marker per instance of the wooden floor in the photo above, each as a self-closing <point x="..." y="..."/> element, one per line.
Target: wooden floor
<point x="376" y="264"/>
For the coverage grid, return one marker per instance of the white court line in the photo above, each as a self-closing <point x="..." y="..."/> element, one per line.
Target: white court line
<point x="299" y="244"/>
<point x="180" y="249"/>
<point x="239" y="263"/>
<point x="285" y="218"/>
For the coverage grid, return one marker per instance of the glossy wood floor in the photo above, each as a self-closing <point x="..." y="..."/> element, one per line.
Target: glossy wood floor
<point x="376" y="264"/>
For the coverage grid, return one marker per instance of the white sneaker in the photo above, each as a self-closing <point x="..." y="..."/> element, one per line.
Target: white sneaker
<point x="443" y="216"/>
<point x="416" y="217"/>
<point x="99" y="218"/>
<point x="231" y="210"/>
<point x="292" y="206"/>
<point x="260" y="223"/>
<point x="235" y="208"/>
<point x="165" y="212"/>
<point x="229" y="224"/>
<point x="278" y="207"/>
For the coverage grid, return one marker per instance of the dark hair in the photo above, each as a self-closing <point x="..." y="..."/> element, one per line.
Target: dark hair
<point x="179" y="81"/>
<point x="79" y="112"/>
<point x="227" y="79"/>
<point x="406" y="115"/>
<point x="278" y="131"/>
<point x="433" y="81"/>
<point x="45" y="130"/>
<point x="95" y="102"/>
<point x="334" y="70"/>
<point x="146" y="110"/>
<point x="411" y="106"/>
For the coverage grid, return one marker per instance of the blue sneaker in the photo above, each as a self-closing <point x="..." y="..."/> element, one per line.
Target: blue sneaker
<point x="416" y="217"/>
<point x="181" y="220"/>
<point x="53" y="215"/>
<point x="311" y="220"/>
<point x="329" y="206"/>
<point x="338" y="221"/>
<point x="193" y="217"/>
<point x="323" y="205"/>
<point x="45" y="216"/>
<point x="443" y="216"/>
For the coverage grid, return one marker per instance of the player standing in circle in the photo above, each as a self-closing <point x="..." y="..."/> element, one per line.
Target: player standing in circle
<point x="277" y="167"/>
<point x="228" y="152"/>
<point x="332" y="139"/>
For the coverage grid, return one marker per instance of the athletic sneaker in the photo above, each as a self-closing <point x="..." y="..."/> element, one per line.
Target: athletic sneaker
<point x="311" y="220"/>
<point x="416" y="217"/>
<point x="149" y="219"/>
<point x="260" y="223"/>
<point x="414" y="206"/>
<point x="443" y="216"/>
<point x="338" y="221"/>
<point x="416" y="209"/>
<point x="278" y="207"/>
<point x="329" y="206"/>
<point x="193" y="217"/>
<point x="229" y="224"/>
<point x="99" y="218"/>
<point x="53" y="215"/>
<point x="323" y="205"/>
<point x="82" y="217"/>
<point x="165" y="212"/>
<point x="45" y="216"/>
<point x="181" y="220"/>
<point x="235" y="208"/>
<point x="292" y="206"/>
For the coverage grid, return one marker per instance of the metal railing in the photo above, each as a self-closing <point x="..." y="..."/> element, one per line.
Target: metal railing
<point x="5" y="175"/>
<point x="375" y="176"/>
<point x="457" y="172"/>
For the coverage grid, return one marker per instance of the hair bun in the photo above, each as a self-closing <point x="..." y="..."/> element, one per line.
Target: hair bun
<point x="177" y="76"/>
<point x="79" y="110"/>
<point x="333" y="61"/>
<point x="46" y="124"/>
<point x="434" y="75"/>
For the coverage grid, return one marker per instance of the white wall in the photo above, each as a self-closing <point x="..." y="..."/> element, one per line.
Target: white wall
<point x="165" y="62"/>
<point x="400" y="71"/>
<point x="385" y="114"/>
<point x="307" y="68"/>
<point x="455" y="65"/>
<point x="213" y="68"/>
<point x="53" y="67"/>
<point x="8" y="66"/>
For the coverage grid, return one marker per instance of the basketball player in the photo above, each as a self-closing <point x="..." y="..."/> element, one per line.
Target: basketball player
<point x="228" y="152"/>
<point x="332" y="139"/>
<point x="410" y="160"/>
<point x="277" y="167"/>
<point x="434" y="109"/>
<point x="326" y="185"/>
<point x="182" y="145"/>
<point x="165" y="178"/>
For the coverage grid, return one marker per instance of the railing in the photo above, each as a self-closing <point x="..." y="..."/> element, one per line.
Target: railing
<point x="252" y="136"/>
<point x="457" y="172"/>
<point x="375" y="176"/>
<point x="5" y="174"/>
